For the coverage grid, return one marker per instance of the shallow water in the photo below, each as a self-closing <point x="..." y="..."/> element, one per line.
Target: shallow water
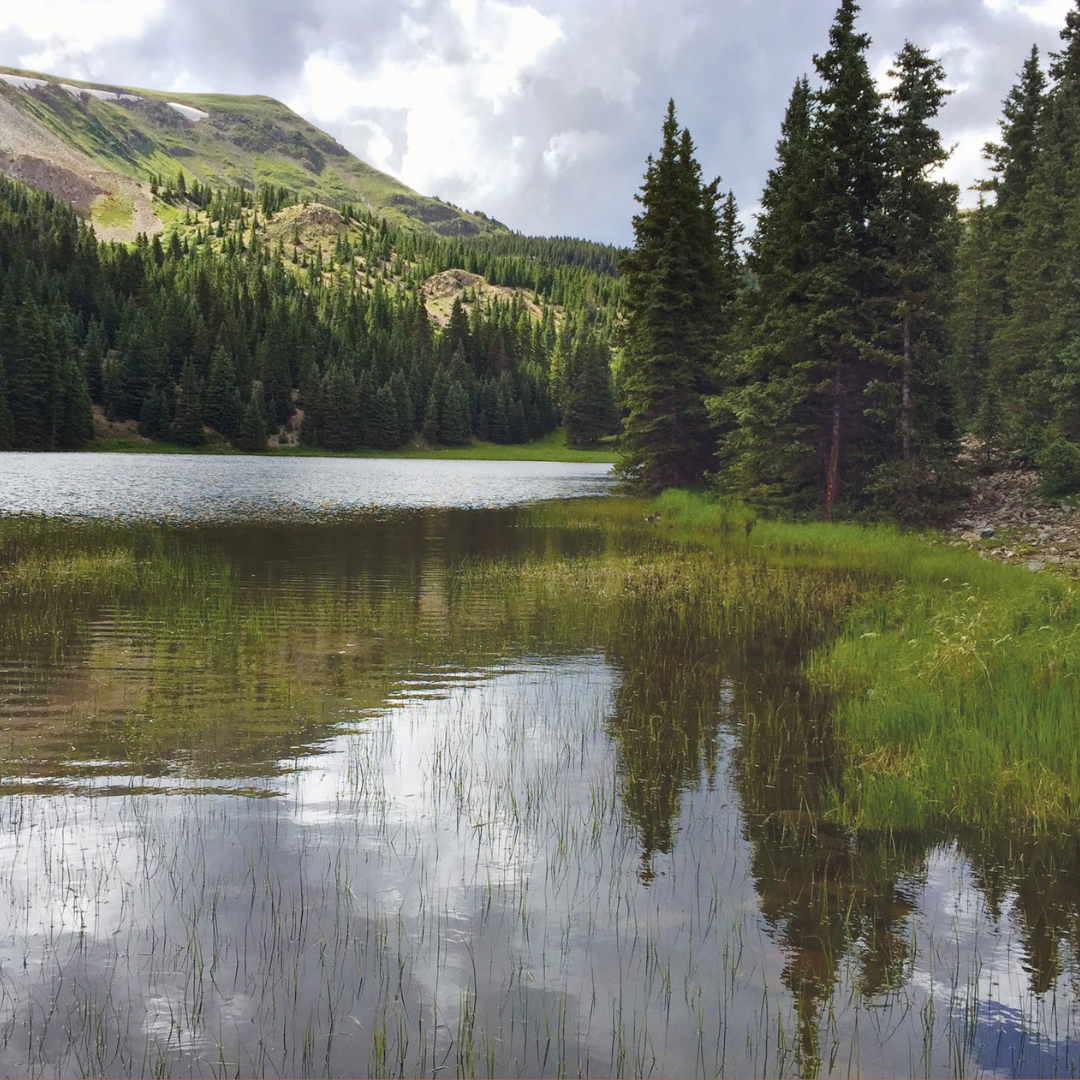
<point x="354" y="818"/>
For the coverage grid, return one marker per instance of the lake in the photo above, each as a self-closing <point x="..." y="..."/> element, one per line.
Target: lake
<point x="312" y="767"/>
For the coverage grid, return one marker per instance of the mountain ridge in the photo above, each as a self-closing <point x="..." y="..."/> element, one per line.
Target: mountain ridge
<point x="99" y="146"/>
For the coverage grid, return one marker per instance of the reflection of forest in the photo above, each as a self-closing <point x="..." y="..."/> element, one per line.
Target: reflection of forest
<point x="826" y="897"/>
<point x="349" y="609"/>
<point x="319" y="623"/>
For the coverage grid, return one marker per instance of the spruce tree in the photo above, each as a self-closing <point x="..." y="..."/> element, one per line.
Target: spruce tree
<point x="977" y="309"/>
<point x="671" y="278"/>
<point x="337" y="414"/>
<point x="430" y="428"/>
<point x="7" y="426"/>
<point x="251" y="434"/>
<point x="765" y="415"/>
<point x="155" y="415"/>
<point x="403" y="403"/>
<point x="384" y="432"/>
<point x="95" y="346"/>
<point x="1014" y="158"/>
<point x="590" y="411"/>
<point x="32" y="377"/>
<point x="847" y="283"/>
<point x="188" y="426"/>
<point x="454" y="425"/>
<point x="273" y="366"/>
<point x="76" y="421"/>
<point x="915" y="400"/>
<point x="1041" y="319"/>
<point x="222" y="406"/>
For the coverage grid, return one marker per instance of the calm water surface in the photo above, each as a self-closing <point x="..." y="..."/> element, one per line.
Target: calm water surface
<point x="359" y="812"/>
<point x="196" y="488"/>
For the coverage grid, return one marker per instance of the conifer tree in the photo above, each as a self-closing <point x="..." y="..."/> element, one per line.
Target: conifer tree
<point x="155" y="415"/>
<point x="915" y="400"/>
<point x="977" y="308"/>
<point x="273" y="366"/>
<point x="1041" y="319"/>
<point x="384" y="432"/>
<point x="430" y="429"/>
<point x="222" y="405"/>
<point x="337" y="415"/>
<point x="251" y="434"/>
<point x="847" y="283"/>
<point x="7" y="426"/>
<point x="671" y="279"/>
<point x="455" y="428"/>
<point x="95" y="347"/>
<point x="75" y="421"/>
<point x="590" y="410"/>
<point x="399" y="387"/>
<point x="1014" y="158"/>
<point x="188" y="427"/>
<point x="765" y="416"/>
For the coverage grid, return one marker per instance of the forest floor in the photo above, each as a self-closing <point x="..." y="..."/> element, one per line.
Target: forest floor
<point x="1007" y="520"/>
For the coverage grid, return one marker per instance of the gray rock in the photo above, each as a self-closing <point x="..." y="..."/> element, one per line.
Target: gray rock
<point x="1035" y="566"/>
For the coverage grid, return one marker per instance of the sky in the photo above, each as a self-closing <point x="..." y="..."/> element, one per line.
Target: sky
<point x="539" y="113"/>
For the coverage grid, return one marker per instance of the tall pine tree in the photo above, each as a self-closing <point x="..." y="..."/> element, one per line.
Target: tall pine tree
<point x="672" y="306"/>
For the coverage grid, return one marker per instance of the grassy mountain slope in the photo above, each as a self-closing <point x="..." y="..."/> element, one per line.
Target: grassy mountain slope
<point x="97" y="146"/>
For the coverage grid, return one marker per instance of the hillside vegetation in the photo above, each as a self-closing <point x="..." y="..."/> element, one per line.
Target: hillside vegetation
<point x="263" y="320"/>
<point x="101" y="147"/>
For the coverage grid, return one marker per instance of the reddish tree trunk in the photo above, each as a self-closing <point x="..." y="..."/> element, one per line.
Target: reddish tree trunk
<point x="832" y="478"/>
<point x="905" y="407"/>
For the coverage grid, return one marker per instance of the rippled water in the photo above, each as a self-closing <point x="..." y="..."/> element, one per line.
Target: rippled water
<point x="358" y="811"/>
<point x="182" y="487"/>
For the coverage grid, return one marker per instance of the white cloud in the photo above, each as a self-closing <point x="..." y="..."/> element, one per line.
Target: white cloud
<point x="566" y="148"/>
<point x="1047" y="12"/>
<point x="59" y="26"/>
<point x="540" y="112"/>
<point x="446" y="97"/>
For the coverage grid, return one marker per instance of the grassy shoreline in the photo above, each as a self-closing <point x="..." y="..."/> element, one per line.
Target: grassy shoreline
<point x="955" y="678"/>
<point x="552" y="447"/>
<point x="951" y="682"/>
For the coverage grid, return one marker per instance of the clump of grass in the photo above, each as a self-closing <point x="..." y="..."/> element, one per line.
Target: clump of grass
<point x="957" y="698"/>
<point x="52" y="572"/>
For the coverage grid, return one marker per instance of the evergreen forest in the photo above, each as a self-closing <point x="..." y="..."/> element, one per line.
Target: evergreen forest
<point x="865" y="348"/>
<point x="259" y="316"/>
<point x="871" y="343"/>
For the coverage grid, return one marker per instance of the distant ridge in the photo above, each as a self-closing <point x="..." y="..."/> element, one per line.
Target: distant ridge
<point x="97" y="145"/>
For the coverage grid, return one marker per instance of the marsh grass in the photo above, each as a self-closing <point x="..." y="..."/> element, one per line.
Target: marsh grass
<point x="954" y="679"/>
<point x="951" y="681"/>
<point x="625" y="769"/>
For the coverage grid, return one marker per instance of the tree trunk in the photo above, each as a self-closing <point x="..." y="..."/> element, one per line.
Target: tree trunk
<point x="832" y="479"/>
<point x="905" y="406"/>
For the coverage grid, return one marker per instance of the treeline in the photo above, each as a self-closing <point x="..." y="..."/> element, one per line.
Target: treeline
<point x="1017" y="319"/>
<point x="576" y="274"/>
<point x="214" y="328"/>
<point x="814" y="375"/>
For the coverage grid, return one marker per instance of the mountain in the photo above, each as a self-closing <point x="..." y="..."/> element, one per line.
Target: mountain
<point x="100" y="147"/>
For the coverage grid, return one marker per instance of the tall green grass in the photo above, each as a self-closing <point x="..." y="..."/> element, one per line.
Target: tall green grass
<point x="954" y="678"/>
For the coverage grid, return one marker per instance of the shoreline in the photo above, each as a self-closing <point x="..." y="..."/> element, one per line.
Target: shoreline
<point x="552" y="448"/>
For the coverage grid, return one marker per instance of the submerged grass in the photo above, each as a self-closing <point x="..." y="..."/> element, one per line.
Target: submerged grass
<point x="950" y="682"/>
<point x="562" y="828"/>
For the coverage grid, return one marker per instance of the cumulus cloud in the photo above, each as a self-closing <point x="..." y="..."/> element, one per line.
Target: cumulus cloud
<point x="540" y="112"/>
